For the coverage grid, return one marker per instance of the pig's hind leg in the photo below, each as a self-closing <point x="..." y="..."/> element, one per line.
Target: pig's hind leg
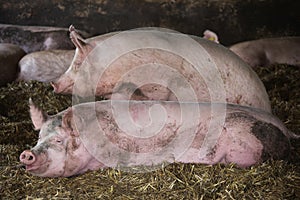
<point x="242" y="150"/>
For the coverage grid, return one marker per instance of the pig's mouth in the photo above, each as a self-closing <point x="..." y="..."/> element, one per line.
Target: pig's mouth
<point x="36" y="168"/>
<point x="31" y="167"/>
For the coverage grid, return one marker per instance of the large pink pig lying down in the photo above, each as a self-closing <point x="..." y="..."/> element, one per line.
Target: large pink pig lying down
<point x="159" y="48"/>
<point x="75" y="141"/>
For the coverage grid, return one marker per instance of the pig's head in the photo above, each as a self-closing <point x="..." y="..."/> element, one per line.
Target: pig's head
<point x="83" y="47"/>
<point x="59" y="151"/>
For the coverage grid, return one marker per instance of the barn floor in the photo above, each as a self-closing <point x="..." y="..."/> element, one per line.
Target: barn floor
<point x="270" y="180"/>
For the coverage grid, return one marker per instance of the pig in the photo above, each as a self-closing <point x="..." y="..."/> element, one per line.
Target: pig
<point x="153" y="64"/>
<point x="269" y="51"/>
<point x="36" y="38"/>
<point x="10" y="55"/>
<point x="45" y="66"/>
<point x="264" y="52"/>
<point x="125" y="134"/>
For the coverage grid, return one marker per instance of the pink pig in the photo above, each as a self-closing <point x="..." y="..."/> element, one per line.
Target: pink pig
<point x="128" y="134"/>
<point x="156" y="64"/>
<point x="267" y="51"/>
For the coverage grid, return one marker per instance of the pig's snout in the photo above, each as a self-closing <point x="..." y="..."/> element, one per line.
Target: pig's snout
<point x="63" y="85"/>
<point x="27" y="157"/>
<point x="55" y="87"/>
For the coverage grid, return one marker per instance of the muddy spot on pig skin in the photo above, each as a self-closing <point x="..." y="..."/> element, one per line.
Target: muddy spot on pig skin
<point x="275" y="144"/>
<point x="9" y="58"/>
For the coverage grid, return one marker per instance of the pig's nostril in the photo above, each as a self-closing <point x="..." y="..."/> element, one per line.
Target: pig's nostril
<point x="27" y="157"/>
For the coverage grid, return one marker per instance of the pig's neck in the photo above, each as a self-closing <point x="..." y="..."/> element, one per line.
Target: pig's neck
<point x="94" y="164"/>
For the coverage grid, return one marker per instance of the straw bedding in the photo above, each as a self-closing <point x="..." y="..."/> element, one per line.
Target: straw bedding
<point x="270" y="180"/>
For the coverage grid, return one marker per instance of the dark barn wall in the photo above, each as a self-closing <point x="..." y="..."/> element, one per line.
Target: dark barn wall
<point x="233" y="20"/>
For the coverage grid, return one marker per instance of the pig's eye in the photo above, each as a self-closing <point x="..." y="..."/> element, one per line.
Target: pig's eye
<point x="58" y="140"/>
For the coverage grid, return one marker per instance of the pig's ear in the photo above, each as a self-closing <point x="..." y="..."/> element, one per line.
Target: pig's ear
<point x="38" y="117"/>
<point x="68" y="122"/>
<point x="77" y="40"/>
<point x="210" y="36"/>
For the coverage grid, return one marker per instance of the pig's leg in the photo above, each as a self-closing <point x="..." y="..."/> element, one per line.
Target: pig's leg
<point x="244" y="158"/>
<point x="240" y="145"/>
<point x="236" y="145"/>
<point x="239" y="152"/>
<point x="193" y="155"/>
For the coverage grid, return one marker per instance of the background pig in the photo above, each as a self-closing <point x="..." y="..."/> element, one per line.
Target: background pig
<point x="262" y="52"/>
<point x="100" y="134"/>
<point x="45" y="66"/>
<point x="141" y="72"/>
<point x="10" y="55"/>
<point x="36" y="38"/>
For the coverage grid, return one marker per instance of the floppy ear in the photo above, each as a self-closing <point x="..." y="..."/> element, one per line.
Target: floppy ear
<point x="210" y="36"/>
<point x="77" y="40"/>
<point x="38" y="117"/>
<point x="68" y="122"/>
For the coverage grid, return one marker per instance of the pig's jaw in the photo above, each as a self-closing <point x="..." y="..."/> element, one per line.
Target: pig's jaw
<point x="45" y="167"/>
<point x="40" y="166"/>
<point x="45" y="171"/>
<point x="90" y="164"/>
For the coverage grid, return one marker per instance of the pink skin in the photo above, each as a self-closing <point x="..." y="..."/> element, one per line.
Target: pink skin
<point x="58" y="149"/>
<point x="248" y="136"/>
<point x="65" y="83"/>
<point x="241" y="85"/>
<point x="263" y="52"/>
<point x="68" y="82"/>
<point x="269" y="51"/>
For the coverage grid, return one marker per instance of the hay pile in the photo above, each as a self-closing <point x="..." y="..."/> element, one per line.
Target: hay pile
<point x="270" y="180"/>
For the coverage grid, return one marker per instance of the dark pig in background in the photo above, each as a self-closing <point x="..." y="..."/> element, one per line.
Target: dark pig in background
<point x="128" y="134"/>
<point x="159" y="64"/>
<point x="36" y="38"/>
<point x="45" y="66"/>
<point x="10" y="55"/>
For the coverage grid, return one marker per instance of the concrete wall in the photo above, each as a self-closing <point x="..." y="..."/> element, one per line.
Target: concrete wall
<point x="233" y="20"/>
